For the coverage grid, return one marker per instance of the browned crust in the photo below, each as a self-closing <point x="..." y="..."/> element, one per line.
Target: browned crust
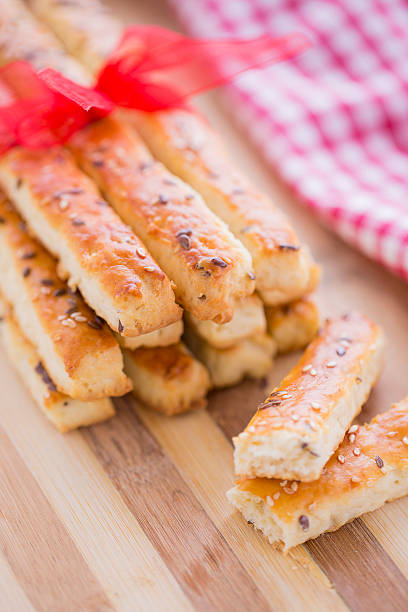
<point x="53" y="301"/>
<point x="330" y="364"/>
<point x="107" y="249"/>
<point x="381" y="443"/>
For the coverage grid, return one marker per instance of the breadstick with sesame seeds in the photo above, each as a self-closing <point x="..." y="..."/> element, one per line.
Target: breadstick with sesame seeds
<point x="77" y="349"/>
<point x="65" y="412"/>
<point x="98" y="253"/>
<point x="185" y="142"/>
<point x="211" y="269"/>
<point x="369" y="468"/>
<point x="301" y="423"/>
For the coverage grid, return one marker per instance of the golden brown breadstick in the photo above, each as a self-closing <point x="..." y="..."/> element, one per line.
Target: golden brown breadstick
<point x="186" y="144"/>
<point x="76" y="348"/>
<point x="63" y="411"/>
<point x="98" y="253"/>
<point x="168" y="379"/>
<point x="369" y="468"/>
<point x="301" y="423"/>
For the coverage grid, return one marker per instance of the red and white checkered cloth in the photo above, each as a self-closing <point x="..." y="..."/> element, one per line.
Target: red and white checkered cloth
<point x="334" y="122"/>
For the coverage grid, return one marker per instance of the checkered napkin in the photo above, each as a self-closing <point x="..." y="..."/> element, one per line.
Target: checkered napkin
<point x="333" y="122"/>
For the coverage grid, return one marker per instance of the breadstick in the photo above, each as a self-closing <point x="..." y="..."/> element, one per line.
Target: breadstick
<point x="76" y="347"/>
<point x="19" y="40"/>
<point x="211" y="269"/>
<point x="98" y="253"/>
<point x="301" y="423"/>
<point x="293" y="325"/>
<point x="248" y="320"/>
<point x="251" y="357"/>
<point x="369" y="468"/>
<point x="64" y="412"/>
<point x="186" y="144"/>
<point x="168" y="379"/>
<point x="165" y="336"/>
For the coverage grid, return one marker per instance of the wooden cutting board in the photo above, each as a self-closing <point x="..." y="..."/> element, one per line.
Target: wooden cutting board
<point x="132" y="514"/>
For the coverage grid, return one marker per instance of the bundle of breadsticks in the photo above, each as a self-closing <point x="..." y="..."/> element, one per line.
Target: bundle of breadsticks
<point x="303" y="467"/>
<point x="139" y="219"/>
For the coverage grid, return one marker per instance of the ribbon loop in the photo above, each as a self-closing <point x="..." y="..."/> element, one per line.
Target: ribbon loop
<point x="152" y="69"/>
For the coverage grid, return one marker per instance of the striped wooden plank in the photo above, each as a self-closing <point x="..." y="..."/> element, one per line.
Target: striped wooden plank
<point x="105" y="532"/>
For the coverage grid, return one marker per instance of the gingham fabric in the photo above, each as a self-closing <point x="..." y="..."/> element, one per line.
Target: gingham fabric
<point x="333" y="122"/>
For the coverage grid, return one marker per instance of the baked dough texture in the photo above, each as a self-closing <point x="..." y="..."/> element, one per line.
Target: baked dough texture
<point x="168" y="379"/>
<point x="301" y="423"/>
<point x="23" y="39"/>
<point x="98" y="253"/>
<point x="64" y="412"/>
<point x="248" y="320"/>
<point x="250" y="358"/>
<point x="165" y="336"/>
<point x="293" y="325"/>
<point x="211" y="269"/>
<point x="187" y="145"/>
<point x="76" y="347"/>
<point x="369" y="468"/>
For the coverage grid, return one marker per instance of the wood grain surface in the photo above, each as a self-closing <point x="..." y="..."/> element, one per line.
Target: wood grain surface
<point x="132" y="514"/>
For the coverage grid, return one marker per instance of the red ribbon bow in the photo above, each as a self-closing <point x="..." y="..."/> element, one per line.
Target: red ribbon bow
<point x="152" y="69"/>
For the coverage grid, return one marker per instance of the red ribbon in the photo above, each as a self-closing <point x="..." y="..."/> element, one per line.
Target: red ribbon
<point x="152" y="69"/>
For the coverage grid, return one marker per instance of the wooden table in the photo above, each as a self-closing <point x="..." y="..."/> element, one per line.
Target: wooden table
<point x="132" y="514"/>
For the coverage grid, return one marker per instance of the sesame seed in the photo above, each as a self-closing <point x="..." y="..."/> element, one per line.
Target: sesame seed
<point x="276" y="495"/>
<point x="304" y="522"/>
<point x="289" y="247"/>
<point x="26" y="272"/>
<point x="29" y="255"/>
<point x="331" y="364"/>
<point x="202" y="296"/>
<point x="315" y="405"/>
<point x="217" y="261"/>
<point x="313" y="372"/>
<point x="340" y="458"/>
<point x="341" y="351"/>
<point x="251" y="275"/>
<point x="405" y="440"/>
<point x="45" y="290"/>
<point x="356" y="452"/>
<point x="79" y="318"/>
<point x="283" y="483"/>
<point x="68" y="323"/>
<point x="286" y="396"/>
<point x="149" y="268"/>
<point x="163" y="199"/>
<point x="391" y="434"/>
<point x="141" y="253"/>
<point x="184" y="241"/>
<point x="352" y="438"/>
<point x="294" y="486"/>
<point x="307" y="368"/>
<point x="48" y="282"/>
<point x="59" y="292"/>
<point x="353" y="429"/>
<point x="355" y="479"/>
<point x="251" y="428"/>
<point x="120" y="326"/>
<point x="312" y="425"/>
<point x="63" y="204"/>
<point x="78" y="222"/>
<point x="269" y="500"/>
<point x="379" y="461"/>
